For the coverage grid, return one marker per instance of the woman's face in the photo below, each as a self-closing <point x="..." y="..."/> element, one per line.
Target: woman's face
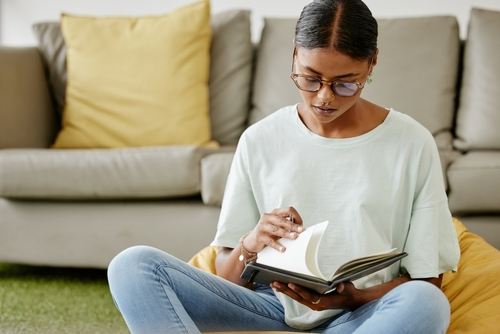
<point x="325" y="106"/>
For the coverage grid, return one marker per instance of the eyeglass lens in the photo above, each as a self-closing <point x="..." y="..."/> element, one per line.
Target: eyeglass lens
<point x="340" y="88"/>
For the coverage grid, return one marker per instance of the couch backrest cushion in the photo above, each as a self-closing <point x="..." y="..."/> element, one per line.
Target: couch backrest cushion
<point x="417" y="69"/>
<point x="416" y="73"/>
<point x="26" y="116"/>
<point x="478" y="118"/>
<point x="231" y="58"/>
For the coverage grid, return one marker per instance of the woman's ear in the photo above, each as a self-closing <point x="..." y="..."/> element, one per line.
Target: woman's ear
<point x="374" y="60"/>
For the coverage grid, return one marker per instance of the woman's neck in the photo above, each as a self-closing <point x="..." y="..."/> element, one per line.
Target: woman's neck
<point x="361" y="118"/>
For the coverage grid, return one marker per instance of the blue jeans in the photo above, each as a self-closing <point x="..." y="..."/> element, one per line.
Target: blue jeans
<point x="157" y="293"/>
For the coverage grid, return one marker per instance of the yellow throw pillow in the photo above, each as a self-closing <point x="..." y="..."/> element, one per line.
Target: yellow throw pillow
<point x="137" y="81"/>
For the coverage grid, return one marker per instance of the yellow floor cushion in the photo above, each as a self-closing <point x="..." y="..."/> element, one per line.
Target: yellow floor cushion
<point x="473" y="292"/>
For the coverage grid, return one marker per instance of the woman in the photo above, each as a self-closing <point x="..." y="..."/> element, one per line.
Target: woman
<point x="373" y="173"/>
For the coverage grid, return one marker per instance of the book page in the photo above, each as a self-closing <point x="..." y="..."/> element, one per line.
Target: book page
<point x="298" y="252"/>
<point x="364" y="261"/>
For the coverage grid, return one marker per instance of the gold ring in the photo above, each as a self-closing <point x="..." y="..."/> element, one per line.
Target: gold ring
<point x="317" y="302"/>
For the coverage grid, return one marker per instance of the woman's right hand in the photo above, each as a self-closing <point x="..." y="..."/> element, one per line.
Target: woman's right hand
<point x="280" y="223"/>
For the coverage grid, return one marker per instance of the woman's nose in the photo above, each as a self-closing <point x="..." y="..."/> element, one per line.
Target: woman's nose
<point x="326" y="93"/>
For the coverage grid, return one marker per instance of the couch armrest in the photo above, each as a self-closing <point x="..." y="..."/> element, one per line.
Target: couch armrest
<point x="27" y="118"/>
<point x="214" y="172"/>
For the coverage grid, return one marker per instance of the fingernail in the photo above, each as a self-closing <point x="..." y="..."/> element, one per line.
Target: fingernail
<point x="300" y="228"/>
<point x="282" y="249"/>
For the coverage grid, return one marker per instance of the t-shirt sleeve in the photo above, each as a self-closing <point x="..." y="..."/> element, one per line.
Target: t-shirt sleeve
<point x="239" y="212"/>
<point x="432" y="243"/>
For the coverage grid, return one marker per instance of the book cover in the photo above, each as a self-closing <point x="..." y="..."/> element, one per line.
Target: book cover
<point x="299" y="263"/>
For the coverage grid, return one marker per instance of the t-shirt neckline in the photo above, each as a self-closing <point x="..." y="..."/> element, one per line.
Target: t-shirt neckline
<point x="370" y="135"/>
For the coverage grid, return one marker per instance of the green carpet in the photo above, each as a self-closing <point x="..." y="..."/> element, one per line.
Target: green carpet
<point x="56" y="300"/>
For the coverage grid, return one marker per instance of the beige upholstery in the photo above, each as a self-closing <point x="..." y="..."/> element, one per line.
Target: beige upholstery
<point x="53" y="50"/>
<point x="90" y="234"/>
<point x="214" y="171"/>
<point x="418" y="78"/>
<point x="272" y="87"/>
<point x="230" y="75"/>
<point x="150" y="172"/>
<point x="81" y="207"/>
<point x="30" y="120"/>
<point x="475" y="182"/>
<point x="474" y="178"/>
<point x="401" y="79"/>
<point x="478" y="117"/>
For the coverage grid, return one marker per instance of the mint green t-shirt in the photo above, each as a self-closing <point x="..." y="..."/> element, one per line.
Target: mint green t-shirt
<point x="381" y="190"/>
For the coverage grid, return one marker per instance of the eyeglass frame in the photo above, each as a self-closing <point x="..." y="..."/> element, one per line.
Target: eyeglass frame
<point x="293" y="76"/>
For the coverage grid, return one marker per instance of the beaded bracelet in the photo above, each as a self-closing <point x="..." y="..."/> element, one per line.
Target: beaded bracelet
<point x="252" y="255"/>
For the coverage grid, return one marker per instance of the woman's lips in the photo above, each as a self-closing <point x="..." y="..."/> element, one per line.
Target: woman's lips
<point x="324" y="111"/>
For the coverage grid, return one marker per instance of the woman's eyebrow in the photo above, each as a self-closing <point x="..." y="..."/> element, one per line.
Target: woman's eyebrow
<point x="310" y="69"/>
<point x="347" y="75"/>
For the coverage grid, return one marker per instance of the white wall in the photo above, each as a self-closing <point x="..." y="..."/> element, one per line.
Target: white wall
<point x="17" y="16"/>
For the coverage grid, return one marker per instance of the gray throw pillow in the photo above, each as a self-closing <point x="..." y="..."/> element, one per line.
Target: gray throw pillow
<point x="53" y="49"/>
<point x="478" y="118"/>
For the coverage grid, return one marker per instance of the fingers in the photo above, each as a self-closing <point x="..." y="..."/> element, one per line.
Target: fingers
<point x="271" y="242"/>
<point x="346" y="288"/>
<point x="280" y="223"/>
<point x="275" y="227"/>
<point x="307" y="297"/>
<point x="294" y="218"/>
<point x="287" y="219"/>
<point x="280" y="227"/>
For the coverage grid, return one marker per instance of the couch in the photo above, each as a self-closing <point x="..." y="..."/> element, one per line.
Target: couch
<point x="80" y="207"/>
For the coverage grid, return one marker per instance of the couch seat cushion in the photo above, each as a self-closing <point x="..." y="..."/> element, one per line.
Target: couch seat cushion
<point x="474" y="182"/>
<point x="101" y="173"/>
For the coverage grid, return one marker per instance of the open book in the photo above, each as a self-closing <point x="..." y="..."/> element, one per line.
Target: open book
<point x="299" y="263"/>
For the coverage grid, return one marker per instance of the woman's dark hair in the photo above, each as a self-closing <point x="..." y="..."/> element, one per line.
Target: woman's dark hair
<point x="347" y="26"/>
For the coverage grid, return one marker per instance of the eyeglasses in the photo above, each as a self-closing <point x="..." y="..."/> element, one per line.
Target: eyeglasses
<point x="313" y="84"/>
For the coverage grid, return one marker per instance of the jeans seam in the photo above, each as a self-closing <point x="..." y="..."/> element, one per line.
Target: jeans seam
<point x="281" y="321"/>
<point x="355" y="316"/>
<point x="166" y="294"/>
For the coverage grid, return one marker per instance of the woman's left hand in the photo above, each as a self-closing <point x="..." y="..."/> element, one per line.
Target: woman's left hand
<point x="345" y="297"/>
